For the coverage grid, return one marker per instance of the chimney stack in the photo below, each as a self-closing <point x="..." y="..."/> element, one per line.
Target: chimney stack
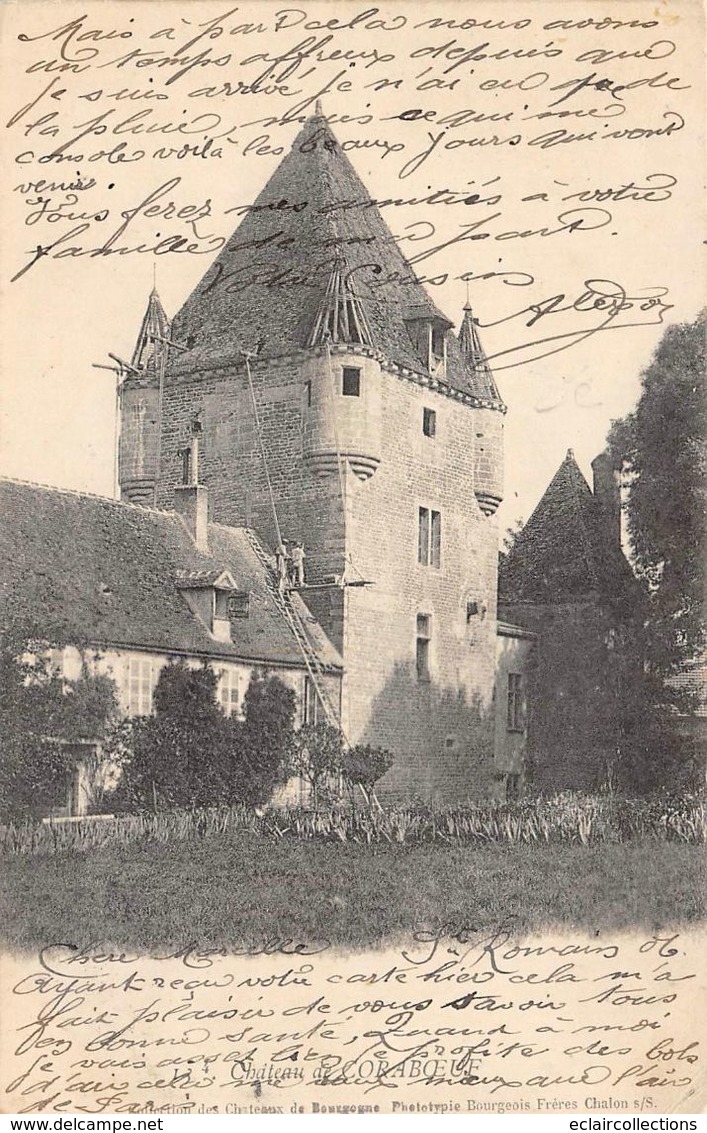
<point x="607" y="492"/>
<point x="191" y="499"/>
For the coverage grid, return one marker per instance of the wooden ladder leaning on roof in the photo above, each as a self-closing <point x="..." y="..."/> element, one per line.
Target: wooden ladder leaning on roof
<point x="315" y="669"/>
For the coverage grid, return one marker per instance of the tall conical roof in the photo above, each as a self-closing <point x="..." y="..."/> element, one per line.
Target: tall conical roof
<point x="153" y="332"/>
<point x="566" y="550"/>
<point x="269" y="287"/>
<point x="476" y="364"/>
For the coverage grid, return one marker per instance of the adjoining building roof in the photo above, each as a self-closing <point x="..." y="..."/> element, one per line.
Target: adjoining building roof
<point x="268" y="288"/>
<point x="565" y="550"/>
<point x="105" y="573"/>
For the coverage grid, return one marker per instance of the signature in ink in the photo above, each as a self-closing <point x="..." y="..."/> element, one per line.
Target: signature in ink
<point x="603" y="299"/>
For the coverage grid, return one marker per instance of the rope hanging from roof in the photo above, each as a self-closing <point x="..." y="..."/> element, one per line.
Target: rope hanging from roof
<point x="263" y="454"/>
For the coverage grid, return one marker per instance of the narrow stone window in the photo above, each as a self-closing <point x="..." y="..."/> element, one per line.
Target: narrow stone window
<point x="308" y="391"/>
<point x="310" y="703"/>
<point x="351" y="384"/>
<point x="424" y="634"/>
<point x="429" y="422"/>
<point x="435" y="539"/>
<point x="429" y="540"/>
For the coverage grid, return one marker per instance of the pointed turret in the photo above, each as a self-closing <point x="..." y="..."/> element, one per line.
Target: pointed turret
<point x="476" y="365"/>
<point x="564" y="552"/>
<point x="138" y="460"/>
<point x="153" y="334"/>
<point x="341" y="316"/>
<point x="488" y="450"/>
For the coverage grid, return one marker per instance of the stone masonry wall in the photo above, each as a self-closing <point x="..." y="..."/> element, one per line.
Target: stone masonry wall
<point x="571" y="738"/>
<point x="440" y="730"/>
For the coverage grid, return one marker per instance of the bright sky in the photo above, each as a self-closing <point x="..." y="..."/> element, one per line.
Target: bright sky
<point x="63" y="315"/>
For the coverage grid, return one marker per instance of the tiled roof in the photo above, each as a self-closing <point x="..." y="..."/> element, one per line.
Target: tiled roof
<point x="565" y="551"/>
<point x="195" y="579"/>
<point x="265" y="291"/>
<point x="105" y="573"/>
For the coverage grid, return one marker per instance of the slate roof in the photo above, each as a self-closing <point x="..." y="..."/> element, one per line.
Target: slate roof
<point x="106" y="573"/>
<point x="266" y="288"/>
<point x="565" y="550"/>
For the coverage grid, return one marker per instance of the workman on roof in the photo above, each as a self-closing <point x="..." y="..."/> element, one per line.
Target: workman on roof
<point x="297" y="557"/>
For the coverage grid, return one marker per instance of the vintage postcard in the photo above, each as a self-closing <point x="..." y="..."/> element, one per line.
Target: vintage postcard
<point x="353" y="416"/>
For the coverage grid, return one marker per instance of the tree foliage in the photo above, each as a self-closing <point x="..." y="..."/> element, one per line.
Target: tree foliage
<point x="43" y="717"/>
<point x="265" y="738"/>
<point x="189" y="754"/>
<point x="363" y="765"/>
<point x="662" y="445"/>
<point x="180" y="754"/>
<point x="316" y="756"/>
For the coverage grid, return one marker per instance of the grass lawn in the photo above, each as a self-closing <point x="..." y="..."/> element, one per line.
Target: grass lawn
<point x="238" y="889"/>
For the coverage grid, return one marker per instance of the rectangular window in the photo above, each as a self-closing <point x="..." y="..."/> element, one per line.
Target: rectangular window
<point x="221" y="598"/>
<point x="351" y="385"/>
<point x="436" y="540"/>
<point x="429" y="422"/>
<point x="516" y="712"/>
<point x="308" y="391"/>
<point x="141" y="680"/>
<point x="429" y="538"/>
<point x="310" y="703"/>
<point x="229" y="692"/>
<point x="438" y="342"/>
<point x="423" y="647"/>
<point x="423" y="537"/>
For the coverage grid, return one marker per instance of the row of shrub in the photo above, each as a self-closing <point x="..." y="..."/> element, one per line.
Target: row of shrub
<point x="565" y="819"/>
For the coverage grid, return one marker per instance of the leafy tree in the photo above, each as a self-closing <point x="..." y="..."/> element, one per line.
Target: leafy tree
<point x="263" y="739"/>
<point x="41" y="716"/>
<point x="181" y="755"/>
<point x="662" y="445"/>
<point x="363" y="765"/>
<point x="317" y="755"/>
<point x="510" y="535"/>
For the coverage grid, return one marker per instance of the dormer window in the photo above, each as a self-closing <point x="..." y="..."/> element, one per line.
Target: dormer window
<point x="213" y="597"/>
<point x="428" y="333"/>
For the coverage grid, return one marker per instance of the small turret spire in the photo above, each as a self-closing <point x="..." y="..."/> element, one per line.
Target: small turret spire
<point x="318" y="108"/>
<point x="341" y="316"/>
<point x="476" y="364"/>
<point x="153" y="334"/>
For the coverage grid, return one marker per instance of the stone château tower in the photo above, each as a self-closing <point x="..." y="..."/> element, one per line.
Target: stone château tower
<point x="377" y="443"/>
<point x="140" y="400"/>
